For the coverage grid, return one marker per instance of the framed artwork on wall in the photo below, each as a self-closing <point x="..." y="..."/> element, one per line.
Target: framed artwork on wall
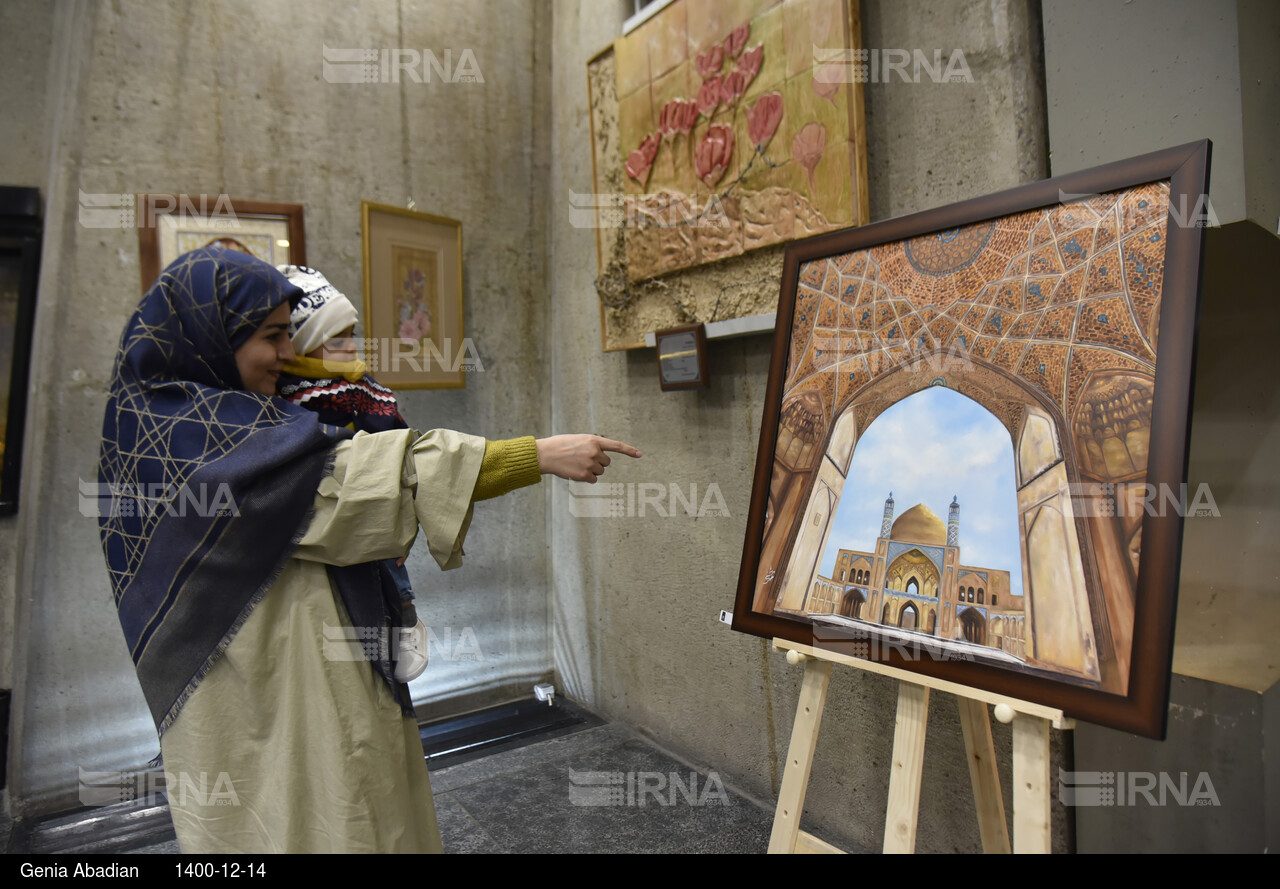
<point x="413" y="333"/>
<point x="719" y="132"/>
<point x="973" y="458"/>
<point x="170" y="225"/>
<point x="20" y="234"/>
<point x="682" y="357"/>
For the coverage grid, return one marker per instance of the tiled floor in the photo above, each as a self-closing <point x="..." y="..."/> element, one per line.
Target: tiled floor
<point x="604" y="789"/>
<point x="601" y="790"/>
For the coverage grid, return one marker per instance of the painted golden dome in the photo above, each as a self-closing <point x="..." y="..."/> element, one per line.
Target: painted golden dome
<point x="919" y="524"/>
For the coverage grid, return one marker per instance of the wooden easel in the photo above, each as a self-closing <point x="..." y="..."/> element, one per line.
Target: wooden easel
<point x="1031" y="781"/>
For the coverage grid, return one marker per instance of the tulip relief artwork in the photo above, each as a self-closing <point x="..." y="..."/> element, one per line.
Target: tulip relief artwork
<point x="736" y="134"/>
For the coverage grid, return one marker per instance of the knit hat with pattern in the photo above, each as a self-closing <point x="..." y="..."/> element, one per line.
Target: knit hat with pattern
<point x="321" y="314"/>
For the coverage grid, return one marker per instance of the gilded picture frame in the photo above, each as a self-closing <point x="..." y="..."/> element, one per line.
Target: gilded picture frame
<point x="1020" y="363"/>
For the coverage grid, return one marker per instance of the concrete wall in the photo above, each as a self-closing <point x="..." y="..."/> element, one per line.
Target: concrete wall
<point x="1225" y="702"/>
<point x="1210" y="787"/>
<point x="636" y="598"/>
<point x="228" y="98"/>
<point x="1176" y="72"/>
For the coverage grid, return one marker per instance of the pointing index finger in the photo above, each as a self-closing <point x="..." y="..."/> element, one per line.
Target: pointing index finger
<point x="609" y="444"/>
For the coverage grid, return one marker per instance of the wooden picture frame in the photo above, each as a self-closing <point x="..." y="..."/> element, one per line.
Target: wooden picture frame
<point x="20" y="240"/>
<point x="170" y="225"/>
<point x="413" y="311"/>
<point x="682" y="358"/>
<point x="1065" y="310"/>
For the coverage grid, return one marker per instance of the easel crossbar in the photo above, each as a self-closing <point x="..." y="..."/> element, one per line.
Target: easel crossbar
<point x="1056" y="717"/>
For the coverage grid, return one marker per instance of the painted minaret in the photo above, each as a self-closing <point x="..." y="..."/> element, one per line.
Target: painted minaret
<point x="953" y="523"/>
<point x="886" y="524"/>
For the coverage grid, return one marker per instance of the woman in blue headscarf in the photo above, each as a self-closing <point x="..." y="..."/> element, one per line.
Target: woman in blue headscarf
<point x="242" y="539"/>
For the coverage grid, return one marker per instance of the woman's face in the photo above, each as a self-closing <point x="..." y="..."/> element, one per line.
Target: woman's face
<point x="262" y="356"/>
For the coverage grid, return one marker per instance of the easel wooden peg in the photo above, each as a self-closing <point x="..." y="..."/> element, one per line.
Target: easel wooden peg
<point x="1031" y="723"/>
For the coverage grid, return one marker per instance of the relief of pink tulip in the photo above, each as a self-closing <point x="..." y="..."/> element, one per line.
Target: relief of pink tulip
<point x="641" y="160"/>
<point x="666" y="118"/>
<point x="736" y="40"/>
<point x="677" y="116"/>
<point x="709" y="96"/>
<point x="710" y="61"/>
<point x="714" y="153"/>
<point x="751" y="61"/>
<point x="826" y="81"/>
<point x="807" y="147"/>
<point x="732" y="88"/>
<point x="763" y="118"/>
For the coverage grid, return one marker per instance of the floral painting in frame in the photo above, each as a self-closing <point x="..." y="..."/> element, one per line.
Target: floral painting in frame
<point x="413" y="315"/>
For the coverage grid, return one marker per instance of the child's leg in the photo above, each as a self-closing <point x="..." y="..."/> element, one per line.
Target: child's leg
<point x="401" y="576"/>
<point x="412" y="645"/>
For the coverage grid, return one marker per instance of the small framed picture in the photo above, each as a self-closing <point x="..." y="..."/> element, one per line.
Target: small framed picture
<point x="171" y="225"/>
<point x="682" y="357"/>
<point x="413" y="333"/>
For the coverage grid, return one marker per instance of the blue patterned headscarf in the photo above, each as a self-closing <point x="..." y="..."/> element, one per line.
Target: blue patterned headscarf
<point x="210" y="485"/>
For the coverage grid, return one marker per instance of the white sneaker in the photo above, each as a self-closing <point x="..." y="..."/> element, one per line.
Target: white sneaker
<point x="413" y="652"/>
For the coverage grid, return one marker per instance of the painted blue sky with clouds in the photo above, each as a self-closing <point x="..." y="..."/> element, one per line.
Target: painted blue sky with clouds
<point x="927" y="448"/>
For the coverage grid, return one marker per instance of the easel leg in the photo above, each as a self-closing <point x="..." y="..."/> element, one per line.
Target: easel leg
<point x="908" y="768"/>
<point x="804" y="739"/>
<point x="984" y="775"/>
<point x="1031" y="809"/>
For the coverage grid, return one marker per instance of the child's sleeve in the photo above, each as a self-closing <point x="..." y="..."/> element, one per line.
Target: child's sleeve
<point x="507" y="465"/>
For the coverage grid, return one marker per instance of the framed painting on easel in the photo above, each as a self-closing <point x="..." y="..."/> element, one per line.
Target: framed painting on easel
<point x="973" y="455"/>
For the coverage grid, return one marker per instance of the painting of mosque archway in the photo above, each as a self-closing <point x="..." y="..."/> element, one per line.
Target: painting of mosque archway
<point x="973" y="458"/>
